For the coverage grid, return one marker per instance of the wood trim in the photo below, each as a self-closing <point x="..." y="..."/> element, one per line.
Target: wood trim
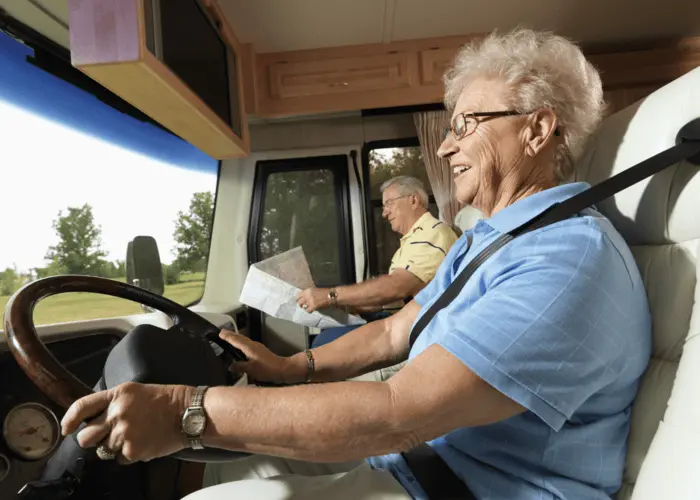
<point x="434" y="63"/>
<point x="243" y="85"/>
<point x="250" y="81"/>
<point x="215" y="11"/>
<point x="338" y="76"/>
<point x="413" y="46"/>
<point x="633" y="68"/>
<point x="427" y="59"/>
<point x="190" y="106"/>
<point x="144" y="81"/>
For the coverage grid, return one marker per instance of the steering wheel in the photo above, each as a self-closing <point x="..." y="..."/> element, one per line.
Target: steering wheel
<point x="190" y="352"/>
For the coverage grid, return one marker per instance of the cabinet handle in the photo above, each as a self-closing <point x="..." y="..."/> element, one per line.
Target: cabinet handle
<point x="339" y="84"/>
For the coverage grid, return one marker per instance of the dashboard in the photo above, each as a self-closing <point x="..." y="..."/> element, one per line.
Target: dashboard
<point x="30" y="420"/>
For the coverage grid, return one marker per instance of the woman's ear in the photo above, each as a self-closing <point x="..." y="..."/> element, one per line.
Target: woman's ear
<point x="543" y="126"/>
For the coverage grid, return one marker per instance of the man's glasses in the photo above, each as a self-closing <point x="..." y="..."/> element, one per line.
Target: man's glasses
<point x="465" y="124"/>
<point x="390" y="203"/>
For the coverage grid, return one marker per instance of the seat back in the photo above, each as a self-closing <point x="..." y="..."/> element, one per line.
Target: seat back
<point x="660" y="219"/>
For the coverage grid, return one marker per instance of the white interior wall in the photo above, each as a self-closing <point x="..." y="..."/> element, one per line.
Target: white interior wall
<point x="228" y="258"/>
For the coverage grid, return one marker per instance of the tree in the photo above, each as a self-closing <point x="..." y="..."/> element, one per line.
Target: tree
<point x="301" y="210"/>
<point x="53" y="269"/>
<point x="192" y="232"/>
<point x="394" y="162"/>
<point x="171" y="274"/>
<point x="78" y="250"/>
<point x="9" y="281"/>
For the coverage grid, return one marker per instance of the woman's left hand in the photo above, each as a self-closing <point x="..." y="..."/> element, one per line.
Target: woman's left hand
<point x="137" y="422"/>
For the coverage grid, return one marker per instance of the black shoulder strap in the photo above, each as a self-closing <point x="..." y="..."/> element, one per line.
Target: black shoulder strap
<point x="564" y="210"/>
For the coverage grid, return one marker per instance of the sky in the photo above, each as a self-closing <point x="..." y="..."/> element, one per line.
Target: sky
<point x="46" y="167"/>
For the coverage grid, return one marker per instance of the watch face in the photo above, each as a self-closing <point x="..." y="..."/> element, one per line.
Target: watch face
<point x="193" y="423"/>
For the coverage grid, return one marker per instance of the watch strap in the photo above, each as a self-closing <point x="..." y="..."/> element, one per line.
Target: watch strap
<point x="197" y="399"/>
<point x="196" y="403"/>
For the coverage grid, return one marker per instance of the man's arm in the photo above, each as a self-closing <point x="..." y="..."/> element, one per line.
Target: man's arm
<point x="382" y="290"/>
<point x="373" y="346"/>
<point x="433" y="395"/>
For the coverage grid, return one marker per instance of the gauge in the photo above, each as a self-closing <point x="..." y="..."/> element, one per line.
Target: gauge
<point x="31" y="430"/>
<point x="4" y="467"/>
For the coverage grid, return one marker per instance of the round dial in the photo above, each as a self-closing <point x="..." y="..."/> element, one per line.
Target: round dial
<point x="4" y="467"/>
<point x="195" y="422"/>
<point x="31" y="430"/>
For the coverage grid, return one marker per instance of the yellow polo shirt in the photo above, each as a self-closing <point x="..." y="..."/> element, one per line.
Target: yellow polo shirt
<point x="423" y="247"/>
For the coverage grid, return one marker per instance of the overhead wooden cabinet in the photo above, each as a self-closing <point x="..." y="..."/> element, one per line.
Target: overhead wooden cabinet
<point x="411" y="73"/>
<point x="339" y="76"/>
<point x="351" y="78"/>
<point x="132" y="48"/>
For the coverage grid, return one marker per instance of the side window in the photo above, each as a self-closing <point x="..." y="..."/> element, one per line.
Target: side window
<point x="80" y="180"/>
<point x="304" y="202"/>
<point x="383" y="161"/>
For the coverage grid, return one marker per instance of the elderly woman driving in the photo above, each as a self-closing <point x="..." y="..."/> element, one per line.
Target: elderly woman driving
<point x="521" y="386"/>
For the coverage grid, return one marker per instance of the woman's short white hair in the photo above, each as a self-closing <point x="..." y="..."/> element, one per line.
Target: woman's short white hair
<point x="543" y="70"/>
<point x="408" y="185"/>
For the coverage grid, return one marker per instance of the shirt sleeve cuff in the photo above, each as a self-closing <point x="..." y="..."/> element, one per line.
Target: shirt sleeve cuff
<point x="504" y="383"/>
<point x="419" y="273"/>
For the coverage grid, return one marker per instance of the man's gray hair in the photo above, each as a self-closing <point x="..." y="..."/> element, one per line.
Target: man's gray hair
<point x="542" y="70"/>
<point x="408" y="185"/>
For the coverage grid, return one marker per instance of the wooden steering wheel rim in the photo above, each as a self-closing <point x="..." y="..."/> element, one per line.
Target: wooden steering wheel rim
<point x="42" y="368"/>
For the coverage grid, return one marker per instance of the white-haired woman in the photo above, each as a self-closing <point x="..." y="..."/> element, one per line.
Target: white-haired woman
<point x="521" y="386"/>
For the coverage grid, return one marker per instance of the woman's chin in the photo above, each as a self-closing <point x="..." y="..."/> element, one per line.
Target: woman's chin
<point x="464" y="196"/>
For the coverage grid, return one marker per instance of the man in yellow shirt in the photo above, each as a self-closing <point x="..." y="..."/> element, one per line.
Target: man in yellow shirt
<point x="424" y="244"/>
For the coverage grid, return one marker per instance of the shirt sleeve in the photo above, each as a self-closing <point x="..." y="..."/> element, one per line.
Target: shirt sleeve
<point x="424" y="252"/>
<point x="546" y="332"/>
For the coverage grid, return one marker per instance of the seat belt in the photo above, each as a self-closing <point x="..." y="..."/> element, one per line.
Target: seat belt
<point x="437" y="479"/>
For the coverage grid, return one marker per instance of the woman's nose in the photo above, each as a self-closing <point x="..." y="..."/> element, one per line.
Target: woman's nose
<point x="448" y="147"/>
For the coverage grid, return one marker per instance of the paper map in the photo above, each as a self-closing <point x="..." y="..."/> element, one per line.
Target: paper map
<point x="272" y="286"/>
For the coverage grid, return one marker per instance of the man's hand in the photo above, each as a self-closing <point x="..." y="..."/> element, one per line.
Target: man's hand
<point x="313" y="299"/>
<point x="138" y="422"/>
<point x="263" y="364"/>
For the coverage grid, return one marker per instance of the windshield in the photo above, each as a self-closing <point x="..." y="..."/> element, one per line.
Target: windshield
<point x="80" y="180"/>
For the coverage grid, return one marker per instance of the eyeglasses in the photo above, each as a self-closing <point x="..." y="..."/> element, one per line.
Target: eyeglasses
<point x="465" y="124"/>
<point x="390" y="202"/>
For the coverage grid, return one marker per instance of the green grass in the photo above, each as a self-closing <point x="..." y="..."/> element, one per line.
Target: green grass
<point x="82" y="306"/>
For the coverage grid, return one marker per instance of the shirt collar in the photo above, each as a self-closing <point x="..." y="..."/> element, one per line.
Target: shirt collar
<point x="523" y="210"/>
<point x="418" y="224"/>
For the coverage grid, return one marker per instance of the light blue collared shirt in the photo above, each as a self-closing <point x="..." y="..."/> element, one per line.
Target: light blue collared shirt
<point x="557" y="320"/>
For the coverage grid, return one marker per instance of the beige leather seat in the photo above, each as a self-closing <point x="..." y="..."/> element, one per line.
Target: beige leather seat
<point x="660" y="219"/>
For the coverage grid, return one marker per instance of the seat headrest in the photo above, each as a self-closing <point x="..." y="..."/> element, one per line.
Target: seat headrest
<point x="666" y="207"/>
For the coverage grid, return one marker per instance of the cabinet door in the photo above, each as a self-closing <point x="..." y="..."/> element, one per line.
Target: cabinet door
<point x="434" y="63"/>
<point x="338" y="76"/>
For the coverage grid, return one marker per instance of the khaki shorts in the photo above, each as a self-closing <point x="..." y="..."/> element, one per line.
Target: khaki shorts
<point x="273" y="478"/>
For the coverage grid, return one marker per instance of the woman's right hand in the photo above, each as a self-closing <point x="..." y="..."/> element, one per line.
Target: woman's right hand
<point x="263" y="364"/>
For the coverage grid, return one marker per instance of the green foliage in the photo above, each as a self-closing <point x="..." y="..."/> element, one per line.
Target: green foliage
<point x="171" y="274"/>
<point x="113" y="270"/>
<point x="387" y="163"/>
<point x="78" y="250"/>
<point x="53" y="269"/>
<point x="192" y="232"/>
<point x="300" y="210"/>
<point x="9" y="281"/>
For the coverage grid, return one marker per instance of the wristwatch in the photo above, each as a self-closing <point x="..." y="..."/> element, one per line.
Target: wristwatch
<point x="333" y="296"/>
<point x="194" y="421"/>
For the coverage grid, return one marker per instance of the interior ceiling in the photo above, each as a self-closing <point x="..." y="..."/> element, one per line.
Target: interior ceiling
<point x="283" y="25"/>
